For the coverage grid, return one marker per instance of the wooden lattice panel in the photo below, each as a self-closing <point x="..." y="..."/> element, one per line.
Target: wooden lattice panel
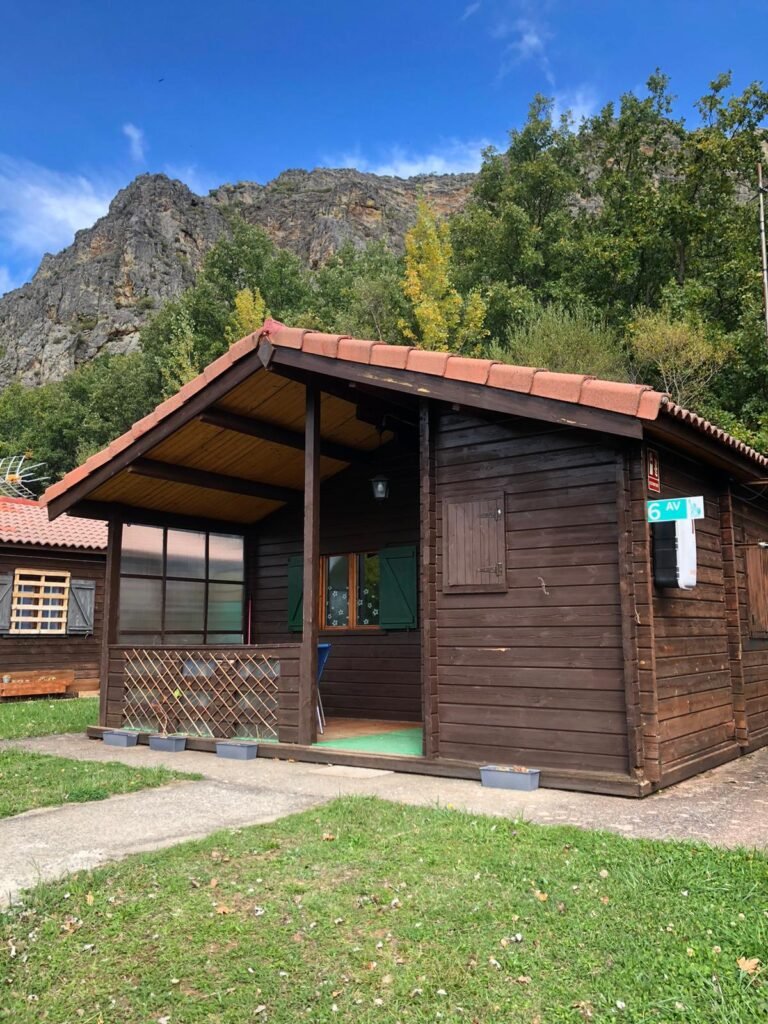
<point x="212" y="693"/>
<point x="40" y="602"/>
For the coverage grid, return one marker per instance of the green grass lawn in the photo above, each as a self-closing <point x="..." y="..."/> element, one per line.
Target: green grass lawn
<point x="365" y="912"/>
<point x="21" y="719"/>
<point x="39" y="780"/>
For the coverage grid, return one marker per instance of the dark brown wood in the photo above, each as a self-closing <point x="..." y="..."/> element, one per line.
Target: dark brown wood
<point x="154" y="517"/>
<point x="474" y="553"/>
<point x="278" y="435"/>
<point x="211" y="481"/>
<point x="732" y="621"/>
<point x="427" y="583"/>
<point x="472" y="395"/>
<point x="629" y="616"/>
<point x="111" y="608"/>
<point x="311" y="554"/>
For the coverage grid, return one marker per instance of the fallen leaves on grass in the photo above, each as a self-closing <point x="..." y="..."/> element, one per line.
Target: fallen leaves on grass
<point x="749" y="965"/>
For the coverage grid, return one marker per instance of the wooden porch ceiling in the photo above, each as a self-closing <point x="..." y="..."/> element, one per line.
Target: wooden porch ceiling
<point x="242" y="457"/>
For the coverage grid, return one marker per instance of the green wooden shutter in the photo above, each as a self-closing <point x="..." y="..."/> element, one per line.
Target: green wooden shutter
<point x="82" y="599"/>
<point x="398" y="588"/>
<point x="6" y="598"/>
<point x="296" y="593"/>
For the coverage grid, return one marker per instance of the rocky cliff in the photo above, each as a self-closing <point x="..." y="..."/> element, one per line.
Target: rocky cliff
<point x="94" y="296"/>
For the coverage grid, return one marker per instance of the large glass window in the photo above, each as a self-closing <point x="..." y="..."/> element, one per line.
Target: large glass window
<point x="181" y="586"/>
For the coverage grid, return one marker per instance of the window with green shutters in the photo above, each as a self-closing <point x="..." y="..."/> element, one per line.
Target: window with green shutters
<point x="359" y="590"/>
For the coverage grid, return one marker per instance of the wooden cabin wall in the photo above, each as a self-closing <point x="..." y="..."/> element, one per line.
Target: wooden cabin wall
<point x="80" y="654"/>
<point x="534" y="675"/>
<point x="750" y="526"/>
<point x="692" y="660"/>
<point x="374" y="674"/>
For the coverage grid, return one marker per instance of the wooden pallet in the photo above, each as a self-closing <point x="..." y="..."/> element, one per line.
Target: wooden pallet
<point x="34" y="684"/>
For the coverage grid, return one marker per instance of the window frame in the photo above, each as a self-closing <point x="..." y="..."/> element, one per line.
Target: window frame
<point x="758" y="634"/>
<point x="352" y="580"/>
<point x="42" y="576"/>
<point x="175" y="637"/>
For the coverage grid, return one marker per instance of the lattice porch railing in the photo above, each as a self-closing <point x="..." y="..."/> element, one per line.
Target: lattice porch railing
<point x="208" y="692"/>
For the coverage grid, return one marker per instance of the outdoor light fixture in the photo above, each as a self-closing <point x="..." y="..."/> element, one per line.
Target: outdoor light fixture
<point x="380" y="485"/>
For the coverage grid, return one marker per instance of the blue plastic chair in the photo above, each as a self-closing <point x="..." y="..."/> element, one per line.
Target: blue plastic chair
<point x="323" y="650"/>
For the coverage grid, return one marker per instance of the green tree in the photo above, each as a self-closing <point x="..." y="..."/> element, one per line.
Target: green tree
<point x="443" y="319"/>
<point x="249" y="314"/>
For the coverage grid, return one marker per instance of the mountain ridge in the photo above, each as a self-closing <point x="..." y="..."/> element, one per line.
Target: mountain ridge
<point x="94" y="296"/>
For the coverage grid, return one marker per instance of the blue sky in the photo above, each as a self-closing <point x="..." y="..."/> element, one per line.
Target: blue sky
<point x="93" y="93"/>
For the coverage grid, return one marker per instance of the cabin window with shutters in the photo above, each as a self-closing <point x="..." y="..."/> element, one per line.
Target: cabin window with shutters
<point x="39" y="602"/>
<point x="756" y="566"/>
<point x="350" y="591"/>
<point x="474" y="545"/>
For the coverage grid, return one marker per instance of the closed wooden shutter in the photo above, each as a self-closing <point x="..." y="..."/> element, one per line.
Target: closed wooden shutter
<point x="6" y="597"/>
<point x="296" y="593"/>
<point x="398" y="588"/>
<point x="756" y="565"/>
<point x="474" y="551"/>
<point x="82" y="595"/>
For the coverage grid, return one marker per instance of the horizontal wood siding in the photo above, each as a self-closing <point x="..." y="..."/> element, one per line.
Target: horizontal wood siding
<point x="80" y="654"/>
<point x="534" y="675"/>
<point x="751" y="526"/>
<point x="374" y="674"/>
<point x="695" y="706"/>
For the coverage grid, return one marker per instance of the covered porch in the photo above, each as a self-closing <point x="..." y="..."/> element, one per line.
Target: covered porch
<point x="246" y="535"/>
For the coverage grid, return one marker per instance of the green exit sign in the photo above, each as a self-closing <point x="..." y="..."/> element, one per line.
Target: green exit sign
<point x="667" y="510"/>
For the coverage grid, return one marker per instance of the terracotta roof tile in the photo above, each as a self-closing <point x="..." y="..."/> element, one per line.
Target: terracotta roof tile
<point x="623" y="399"/>
<point x="26" y="522"/>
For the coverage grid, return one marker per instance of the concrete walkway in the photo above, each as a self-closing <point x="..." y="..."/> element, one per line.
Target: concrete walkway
<point x="726" y="807"/>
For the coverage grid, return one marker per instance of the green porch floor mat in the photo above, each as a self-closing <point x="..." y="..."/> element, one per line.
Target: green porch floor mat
<point x="405" y="742"/>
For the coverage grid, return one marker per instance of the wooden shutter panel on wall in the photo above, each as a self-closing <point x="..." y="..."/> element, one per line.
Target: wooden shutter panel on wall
<point x="6" y="597"/>
<point x="296" y="593"/>
<point x="756" y="565"/>
<point x="80" y="611"/>
<point x="398" y="588"/>
<point x="474" y="549"/>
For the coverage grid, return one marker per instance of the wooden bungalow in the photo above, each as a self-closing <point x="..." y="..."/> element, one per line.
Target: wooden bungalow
<point x="51" y="601"/>
<point x="470" y="537"/>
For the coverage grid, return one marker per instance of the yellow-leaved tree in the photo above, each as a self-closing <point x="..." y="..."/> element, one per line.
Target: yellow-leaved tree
<point x="444" y="320"/>
<point x="249" y="314"/>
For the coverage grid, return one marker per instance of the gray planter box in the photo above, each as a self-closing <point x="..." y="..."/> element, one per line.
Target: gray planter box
<point x="118" y="738"/>
<point x="168" y="744"/>
<point x="502" y="777"/>
<point x="236" y="750"/>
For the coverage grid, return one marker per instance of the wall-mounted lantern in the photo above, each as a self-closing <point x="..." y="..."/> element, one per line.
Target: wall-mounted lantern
<point x="380" y="487"/>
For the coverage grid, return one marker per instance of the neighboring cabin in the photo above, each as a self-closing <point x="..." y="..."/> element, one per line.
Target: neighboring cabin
<point x="470" y="537"/>
<point x="51" y="599"/>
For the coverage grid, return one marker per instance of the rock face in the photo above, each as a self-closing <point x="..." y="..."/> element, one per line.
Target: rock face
<point x="94" y="296"/>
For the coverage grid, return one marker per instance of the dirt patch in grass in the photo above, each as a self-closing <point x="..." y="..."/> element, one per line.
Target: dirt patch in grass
<point x="29" y="780"/>
<point x="405" y="914"/>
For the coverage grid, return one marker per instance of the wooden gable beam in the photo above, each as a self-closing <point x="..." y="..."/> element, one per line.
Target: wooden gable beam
<point x="278" y="435"/>
<point x="212" y="481"/>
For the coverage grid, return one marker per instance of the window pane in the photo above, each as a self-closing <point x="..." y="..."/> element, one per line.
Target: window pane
<point x="186" y="554"/>
<point x="225" y="607"/>
<point x="225" y="557"/>
<point x="225" y="638"/>
<point x="182" y="639"/>
<point x="337" y="591"/>
<point x="142" y="550"/>
<point x="184" y="605"/>
<point x="368" y="571"/>
<point x="140" y="604"/>
<point x="141" y="639"/>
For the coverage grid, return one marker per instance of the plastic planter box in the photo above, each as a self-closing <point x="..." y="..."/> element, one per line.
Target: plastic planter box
<point x="168" y="744"/>
<point x="237" y="750"/>
<point x="502" y="777"/>
<point x="119" y="738"/>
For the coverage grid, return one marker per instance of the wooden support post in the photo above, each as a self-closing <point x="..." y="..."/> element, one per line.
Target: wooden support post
<point x="427" y="580"/>
<point x="111" y="616"/>
<point x="308" y="665"/>
<point x="732" y="615"/>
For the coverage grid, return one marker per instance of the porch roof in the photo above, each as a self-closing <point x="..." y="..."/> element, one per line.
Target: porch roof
<point x="228" y="445"/>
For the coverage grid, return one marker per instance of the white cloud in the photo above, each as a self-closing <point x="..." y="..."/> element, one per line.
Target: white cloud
<point x="453" y="156"/>
<point x="469" y="10"/>
<point x="580" y="102"/>
<point x="525" y="40"/>
<point x="137" y="143"/>
<point x="40" y="209"/>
